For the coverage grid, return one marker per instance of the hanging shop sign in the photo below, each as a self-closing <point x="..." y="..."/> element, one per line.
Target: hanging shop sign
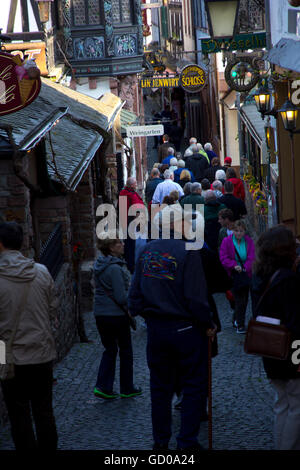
<point x="241" y="75"/>
<point x="240" y="42"/>
<point x="159" y="82"/>
<point x="29" y="50"/>
<point x="145" y="131"/>
<point x="193" y="78"/>
<point x="20" y="82"/>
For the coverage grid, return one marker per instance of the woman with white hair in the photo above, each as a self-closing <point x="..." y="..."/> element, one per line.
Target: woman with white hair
<point x="173" y="164"/>
<point x="220" y="175"/>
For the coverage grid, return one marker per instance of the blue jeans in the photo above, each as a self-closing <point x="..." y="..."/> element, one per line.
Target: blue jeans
<point x="116" y="337"/>
<point x="176" y="350"/>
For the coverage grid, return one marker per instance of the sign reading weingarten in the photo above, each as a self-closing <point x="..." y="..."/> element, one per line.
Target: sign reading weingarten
<point x="193" y="78"/>
<point x="145" y="131"/>
<point x="159" y="82"/>
<point x="240" y="42"/>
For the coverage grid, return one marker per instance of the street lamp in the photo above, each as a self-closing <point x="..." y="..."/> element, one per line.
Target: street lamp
<point x="289" y="114"/>
<point x="44" y="9"/>
<point x="222" y="16"/>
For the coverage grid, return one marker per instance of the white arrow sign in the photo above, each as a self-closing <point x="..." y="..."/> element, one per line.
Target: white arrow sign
<point x="145" y="131"/>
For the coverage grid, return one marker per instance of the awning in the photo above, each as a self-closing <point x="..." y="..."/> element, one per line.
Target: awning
<point x="127" y="118"/>
<point x="255" y="125"/>
<point x="286" y="54"/>
<point x="254" y="122"/>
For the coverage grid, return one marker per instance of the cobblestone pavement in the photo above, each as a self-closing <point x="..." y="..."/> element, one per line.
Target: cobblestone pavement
<point x="242" y="398"/>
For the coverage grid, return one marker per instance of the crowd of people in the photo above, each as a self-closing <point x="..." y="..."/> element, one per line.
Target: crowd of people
<point x="171" y="288"/>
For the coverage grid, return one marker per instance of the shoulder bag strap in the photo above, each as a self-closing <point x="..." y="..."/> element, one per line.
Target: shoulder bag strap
<point x="238" y="255"/>
<point x="267" y="288"/>
<point x="19" y="310"/>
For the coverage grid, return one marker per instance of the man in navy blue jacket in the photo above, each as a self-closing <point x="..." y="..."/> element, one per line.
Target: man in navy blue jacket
<point x="169" y="290"/>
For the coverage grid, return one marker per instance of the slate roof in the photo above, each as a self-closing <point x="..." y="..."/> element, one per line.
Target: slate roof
<point x="73" y="146"/>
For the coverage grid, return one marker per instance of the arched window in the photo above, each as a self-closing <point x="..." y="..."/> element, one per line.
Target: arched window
<point x="86" y="12"/>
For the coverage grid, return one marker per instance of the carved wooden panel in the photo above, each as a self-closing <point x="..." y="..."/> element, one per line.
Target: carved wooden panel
<point x="79" y="12"/>
<point x="251" y="15"/>
<point x="94" y="11"/>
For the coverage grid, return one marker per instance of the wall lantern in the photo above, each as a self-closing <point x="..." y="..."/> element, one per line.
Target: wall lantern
<point x="222" y="16"/>
<point x="263" y="102"/>
<point x="289" y="113"/>
<point x="44" y="9"/>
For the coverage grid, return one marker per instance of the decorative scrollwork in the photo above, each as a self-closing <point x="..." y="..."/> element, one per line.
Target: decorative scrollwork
<point x="109" y="29"/>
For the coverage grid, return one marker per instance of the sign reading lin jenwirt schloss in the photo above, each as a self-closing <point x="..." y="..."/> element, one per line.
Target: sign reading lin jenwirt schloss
<point x="193" y="78"/>
<point x="20" y="82"/>
<point x="159" y="82"/>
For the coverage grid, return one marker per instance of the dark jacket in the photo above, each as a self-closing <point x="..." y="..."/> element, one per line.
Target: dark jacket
<point x="169" y="282"/>
<point x="212" y="226"/>
<point x="192" y="199"/>
<point x="210" y="172"/>
<point x="211" y="154"/>
<point x="281" y="301"/>
<point x="150" y="188"/>
<point x="163" y="150"/>
<point x="237" y="206"/>
<point x="197" y="164"/>
<point x="111" y="277"/>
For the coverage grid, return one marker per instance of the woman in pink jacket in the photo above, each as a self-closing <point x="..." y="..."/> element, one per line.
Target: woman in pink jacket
<point x="237" y="254"/>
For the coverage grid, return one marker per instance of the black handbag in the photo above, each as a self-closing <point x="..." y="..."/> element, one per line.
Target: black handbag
<point x="265" y="339"/>
<point x="240" y="280"/>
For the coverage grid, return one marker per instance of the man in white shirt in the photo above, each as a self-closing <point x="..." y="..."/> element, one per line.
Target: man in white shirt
<point x="166" y="187"/>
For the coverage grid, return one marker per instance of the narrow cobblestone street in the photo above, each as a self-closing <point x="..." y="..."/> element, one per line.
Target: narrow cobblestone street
<point x="242" y="398"/>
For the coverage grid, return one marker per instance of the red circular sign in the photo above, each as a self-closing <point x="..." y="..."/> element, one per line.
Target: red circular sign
<point x="17" y="88"/>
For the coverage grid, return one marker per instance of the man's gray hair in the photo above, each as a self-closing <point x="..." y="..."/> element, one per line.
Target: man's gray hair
<point x="168" y="174"/>
<point x="217" y="184"/>
<point x="187" y="188"/>
<point x="171" y="151"/>
<point x="208" y="146"/>
<point x="195" y="187"/>
<point x="210" y="195"/>
<point x="130" y="181"/>
<point x="155" y="172"/>
<point x="193" y="140"/>
<point x="181" y="163"/>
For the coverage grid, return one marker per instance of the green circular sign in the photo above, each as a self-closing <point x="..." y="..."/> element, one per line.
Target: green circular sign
<point x="193" y="78"/>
